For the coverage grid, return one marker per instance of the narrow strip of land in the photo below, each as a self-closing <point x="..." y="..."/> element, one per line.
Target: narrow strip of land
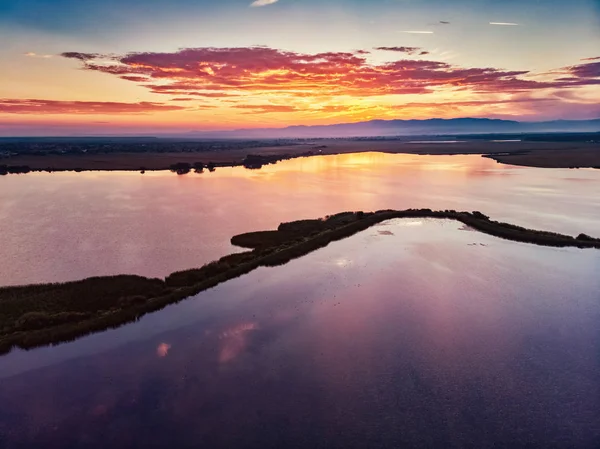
<point x="38" y="315"/>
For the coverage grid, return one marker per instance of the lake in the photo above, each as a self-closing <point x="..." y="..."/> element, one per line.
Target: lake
<point x="413" y="333"/>
<point x="67" y="226"/>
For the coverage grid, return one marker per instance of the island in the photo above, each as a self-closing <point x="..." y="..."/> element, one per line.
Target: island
<point x="37" y="315"/>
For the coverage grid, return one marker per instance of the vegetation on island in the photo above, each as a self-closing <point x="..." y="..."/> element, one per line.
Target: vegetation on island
<point x="37" y="315"/>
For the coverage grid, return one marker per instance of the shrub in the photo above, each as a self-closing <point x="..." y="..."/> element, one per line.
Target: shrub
<point x="39" y="320"/>
<point x="586" y="238"/>
<point x="181" y="168"/>
<point x="478" y="215"/>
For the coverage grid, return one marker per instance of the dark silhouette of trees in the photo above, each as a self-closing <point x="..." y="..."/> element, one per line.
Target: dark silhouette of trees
<point x="181" y="168"/>
<point x="587" y="238"/>
<point x="15" y="169"/>
<point x="479" y="215"/>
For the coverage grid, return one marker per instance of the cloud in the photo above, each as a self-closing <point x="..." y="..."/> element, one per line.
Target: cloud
<point x="187" y="88"/>
<point x="417" y="32"/>
<point x="443" y="22"/>
<point x="80" y="56"/>
<point x="234" y="74"/>
<point x="585" y="72"/>
<point x="509" y="24"/>
<point x="31" y="54"/>
<point x="258" y="3"/>
<point x="407" y="50"/>
<point x="348" y="109"/>
<point x="19" y="106"/>
<point x="223" y="72"/>
<point x="138" y="79"/>
<point x="266" y="108"/>
<point x="469" y="103"/>
<point x="492" y="106"/>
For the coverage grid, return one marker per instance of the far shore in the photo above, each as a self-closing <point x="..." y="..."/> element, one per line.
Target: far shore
<point x="531" y="154"/>
<point x="38" y="315"/>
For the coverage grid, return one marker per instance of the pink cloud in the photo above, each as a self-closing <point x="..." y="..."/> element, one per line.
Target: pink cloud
<point x="163" y="349"/>
<point x="219" y="72"/>
<point x="590" y="70"/>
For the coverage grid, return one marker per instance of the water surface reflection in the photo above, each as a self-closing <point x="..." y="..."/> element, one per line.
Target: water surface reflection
<point x="67" y="226"/>
<point x="412" y="333"/>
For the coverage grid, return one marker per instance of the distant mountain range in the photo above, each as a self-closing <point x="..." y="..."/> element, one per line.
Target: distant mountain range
<point x="407" y="128"/>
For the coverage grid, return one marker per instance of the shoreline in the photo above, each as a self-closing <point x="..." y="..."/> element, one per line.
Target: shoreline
<point x="530" y="154"/>
<point x="44" y="314"/>
<point x="180" y="164"/>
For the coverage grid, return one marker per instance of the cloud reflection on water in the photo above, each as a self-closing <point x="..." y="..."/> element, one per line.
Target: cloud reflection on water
<point x="163" y="349"/>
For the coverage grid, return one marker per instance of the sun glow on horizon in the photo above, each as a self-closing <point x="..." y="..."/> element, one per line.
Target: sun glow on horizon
<point x="391" y="70"/>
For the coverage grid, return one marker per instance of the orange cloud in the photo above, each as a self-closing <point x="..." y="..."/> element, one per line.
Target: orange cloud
<point x="18" y="106"/>
<point x="266" y="108"/>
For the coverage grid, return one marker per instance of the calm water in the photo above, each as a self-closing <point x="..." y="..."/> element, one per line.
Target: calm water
<point x="67" y="226"/>
<point x="413" y="333"/>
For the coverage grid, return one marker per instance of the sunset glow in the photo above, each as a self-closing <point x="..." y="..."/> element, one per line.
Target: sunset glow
<point x="179" y="66"/>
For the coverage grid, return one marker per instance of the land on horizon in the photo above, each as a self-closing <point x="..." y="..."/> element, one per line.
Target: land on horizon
<point x="393" y="128"/>
<point x="403" y="127"/>
<point x="546" y="150"/>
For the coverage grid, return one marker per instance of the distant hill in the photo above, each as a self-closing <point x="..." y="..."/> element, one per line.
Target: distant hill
<point x="407" y="128"/>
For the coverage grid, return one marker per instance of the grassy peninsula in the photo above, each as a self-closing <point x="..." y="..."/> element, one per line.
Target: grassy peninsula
<point x="37" y="315"/>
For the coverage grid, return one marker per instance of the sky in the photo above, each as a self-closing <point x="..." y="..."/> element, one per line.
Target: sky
<point x="163" y="66"/>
